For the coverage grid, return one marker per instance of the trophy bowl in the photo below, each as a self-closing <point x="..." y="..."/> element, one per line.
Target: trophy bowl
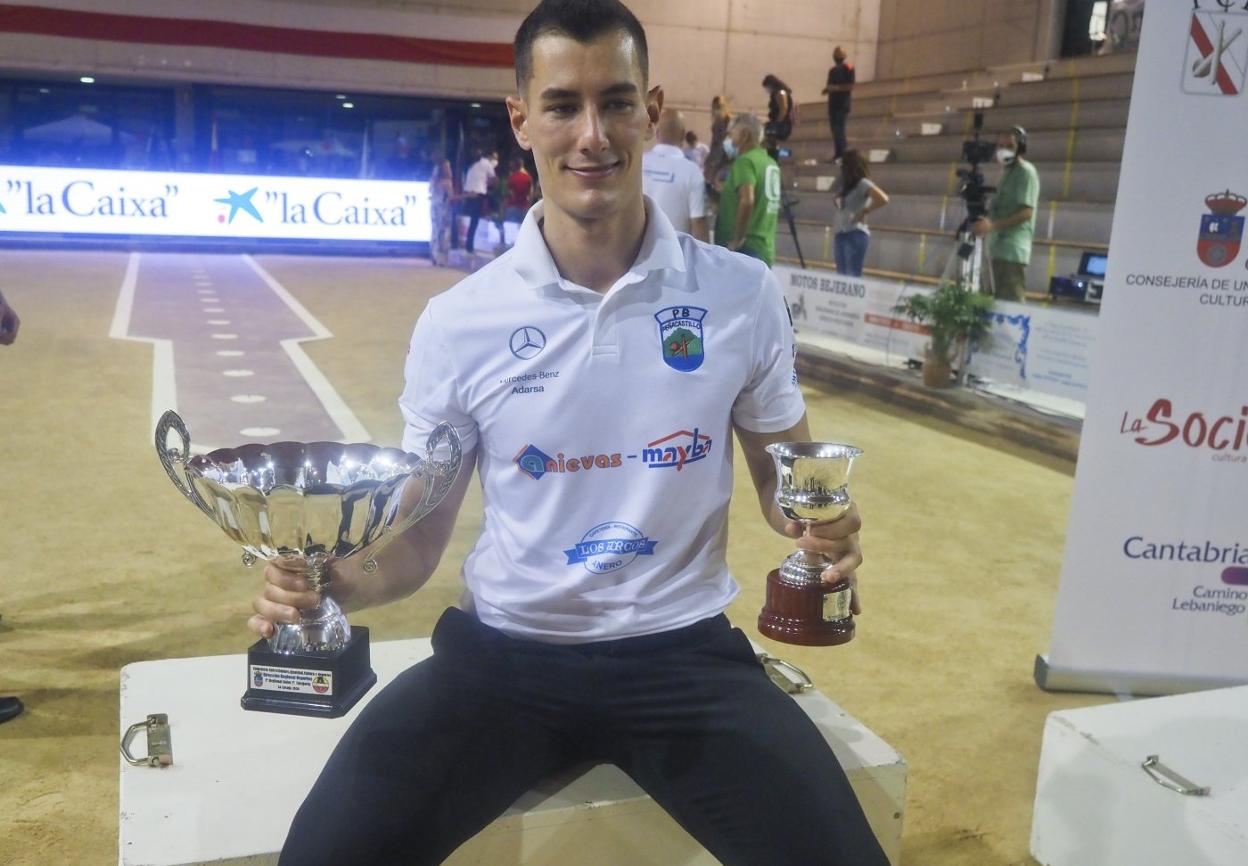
<point x="812" y="486"/>
<point x="301" y="505"/>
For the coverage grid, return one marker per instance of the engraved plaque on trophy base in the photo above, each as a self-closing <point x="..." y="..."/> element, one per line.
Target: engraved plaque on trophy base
<point x="809" y="614"/>
<point x="321" y="684"/>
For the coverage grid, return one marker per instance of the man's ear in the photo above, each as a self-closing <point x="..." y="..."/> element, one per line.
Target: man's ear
<point x="654" y="107"/>
<point x="518" y="116"/>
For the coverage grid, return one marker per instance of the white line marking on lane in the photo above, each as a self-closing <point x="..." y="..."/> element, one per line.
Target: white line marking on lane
<point x="164" y="388"/>
<point x="352" y="429"/>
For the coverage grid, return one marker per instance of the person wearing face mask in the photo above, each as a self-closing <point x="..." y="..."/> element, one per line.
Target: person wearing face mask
<point x="1011" y="221"/>
<point x="749" y="204"/>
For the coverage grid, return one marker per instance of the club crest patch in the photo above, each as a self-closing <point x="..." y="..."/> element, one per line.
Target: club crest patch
<point x="681" y="337"/>
<point x="1221" y="230"/>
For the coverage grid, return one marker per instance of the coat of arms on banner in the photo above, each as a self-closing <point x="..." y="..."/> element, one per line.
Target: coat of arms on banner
<point x="680" y="330"/>
<point x="1221" y="231"/>
<point x="1217" y="52"/>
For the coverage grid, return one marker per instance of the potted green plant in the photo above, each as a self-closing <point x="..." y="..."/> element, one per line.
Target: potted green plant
<point x="955" y="316"/>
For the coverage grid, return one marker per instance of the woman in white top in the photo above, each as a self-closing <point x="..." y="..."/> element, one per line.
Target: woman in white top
<point x="857" y="197"/>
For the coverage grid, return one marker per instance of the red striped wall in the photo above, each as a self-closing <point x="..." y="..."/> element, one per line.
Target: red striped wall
<point x="249" y="37"/>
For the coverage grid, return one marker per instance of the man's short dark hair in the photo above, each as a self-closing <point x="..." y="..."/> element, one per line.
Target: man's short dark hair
<point x="582" y="20"/>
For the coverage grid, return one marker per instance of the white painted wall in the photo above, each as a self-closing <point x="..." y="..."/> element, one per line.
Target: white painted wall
<point x="923" y="37"/>
<point x="697" y="47"/>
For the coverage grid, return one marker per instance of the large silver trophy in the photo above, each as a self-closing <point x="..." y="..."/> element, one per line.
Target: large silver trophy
<point x="812" y="486"/>
<point x="302" y="505"/>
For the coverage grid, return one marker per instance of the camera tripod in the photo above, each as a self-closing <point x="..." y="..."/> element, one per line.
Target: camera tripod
<point x="786" y="208"/>
<point x="969" y="261"/>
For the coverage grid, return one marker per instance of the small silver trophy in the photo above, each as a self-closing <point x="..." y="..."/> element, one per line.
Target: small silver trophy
<point x="812" y="487"/>
<point x="300" y="505"/>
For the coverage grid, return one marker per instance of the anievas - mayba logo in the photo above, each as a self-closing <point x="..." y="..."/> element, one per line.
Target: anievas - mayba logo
<point x="1228" y="599"/>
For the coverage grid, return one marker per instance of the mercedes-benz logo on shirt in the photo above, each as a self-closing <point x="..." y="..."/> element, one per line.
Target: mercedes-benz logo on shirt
<point x="527" y="342"/>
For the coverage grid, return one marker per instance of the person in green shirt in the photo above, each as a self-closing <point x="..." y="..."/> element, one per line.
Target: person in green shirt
<point x="749" y="203"/>
<point x="1011" y="221"/>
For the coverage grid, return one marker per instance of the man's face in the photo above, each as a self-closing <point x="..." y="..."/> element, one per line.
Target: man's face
<point x="742" y="138"/>
<point x="1008" y="141"/>
<point x="586" y="117"/>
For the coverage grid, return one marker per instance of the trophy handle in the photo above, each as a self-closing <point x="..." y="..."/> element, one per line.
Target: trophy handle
<point x="440" y="477"/>
<point x="169" y="457"/>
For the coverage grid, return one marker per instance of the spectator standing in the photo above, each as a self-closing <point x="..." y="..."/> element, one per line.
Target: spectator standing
<point x="673" y="182"/>
<point x="858" y="196"/>
<point x="9" y="322"/>
<point x="780" y="115"/>
<point x="441" y="199"/>
<point x="477" y="193"/>
<point x="838" y="90"/>
<point x="10" y="705"/>
<point x="695" y="151"/>
<point x="716" y="159"/>
<point x="750" y="202"/>
<point x="519" y="191"/>
<point x="1011" y="222"/>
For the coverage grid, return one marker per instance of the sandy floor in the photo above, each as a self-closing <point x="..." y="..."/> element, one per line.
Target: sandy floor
<point x="104" y="565"/>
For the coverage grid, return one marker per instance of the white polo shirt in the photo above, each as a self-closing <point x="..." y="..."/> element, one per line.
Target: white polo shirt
<point x="602" y="424"/>
<point x="480" y="173"/>
<point x="675" y="184"/>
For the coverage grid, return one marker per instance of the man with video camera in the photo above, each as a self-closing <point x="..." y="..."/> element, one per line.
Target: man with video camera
<point x="1010" y="223"/>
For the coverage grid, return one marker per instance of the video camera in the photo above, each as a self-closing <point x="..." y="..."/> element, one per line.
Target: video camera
<point x="973" y="189"/>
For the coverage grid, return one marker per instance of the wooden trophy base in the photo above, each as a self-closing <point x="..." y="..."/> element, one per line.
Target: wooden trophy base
<point x="324" y="684"/>
<point x="808" y="614"/>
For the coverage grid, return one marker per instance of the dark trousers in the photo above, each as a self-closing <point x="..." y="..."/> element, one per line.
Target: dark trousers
<point x="689" y="714"/>
<point x="473" y="206"/>
<point x="837" y="119"/>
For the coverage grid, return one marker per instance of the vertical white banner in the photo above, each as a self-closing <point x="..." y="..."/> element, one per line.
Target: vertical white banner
<point x="1154" y="587"/>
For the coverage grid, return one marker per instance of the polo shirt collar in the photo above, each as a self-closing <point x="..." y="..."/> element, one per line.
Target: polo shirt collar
<point x="667" y="150"/>
<point x="533" y="263"/>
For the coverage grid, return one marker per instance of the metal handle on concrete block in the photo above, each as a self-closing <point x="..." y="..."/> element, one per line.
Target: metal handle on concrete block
<point x="159" y="744"/>
<point x="779" y="670"/>
<point x="1167" y="778"/>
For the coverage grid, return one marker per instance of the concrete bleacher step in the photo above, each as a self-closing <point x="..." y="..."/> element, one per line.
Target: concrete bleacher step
<point x="992" y="93"/>
<point x="921" y="257"/>
<point x="1000" y="76"/>
<point x="1082" y="181"/>
<point x="1073" y="222"/>
<point x="1066" y="89"/>
<point x="915" y="103"/>
<point x="1043" y="145"/>
<point x="1090" y="114"/>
